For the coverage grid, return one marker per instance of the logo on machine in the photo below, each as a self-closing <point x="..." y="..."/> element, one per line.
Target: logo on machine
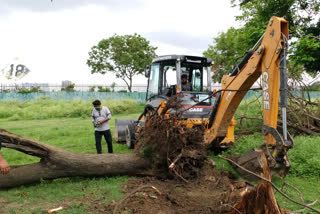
<point x="229" y="94"/>
<point x="195" y="110"/>
<point x="266" y="95"/>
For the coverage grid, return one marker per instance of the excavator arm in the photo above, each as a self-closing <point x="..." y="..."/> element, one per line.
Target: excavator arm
<point x="266" y="60"/>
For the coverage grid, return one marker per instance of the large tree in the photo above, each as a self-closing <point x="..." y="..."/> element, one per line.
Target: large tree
<point x="304" y="23"/>
<point x="125" y="56"/>
<point x="225" y="51"/>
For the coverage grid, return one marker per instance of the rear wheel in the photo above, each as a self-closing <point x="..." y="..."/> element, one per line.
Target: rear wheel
<point x="130" y="135"/>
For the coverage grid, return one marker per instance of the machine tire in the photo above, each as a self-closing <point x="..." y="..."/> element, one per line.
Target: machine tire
<point x="130" y="135"/>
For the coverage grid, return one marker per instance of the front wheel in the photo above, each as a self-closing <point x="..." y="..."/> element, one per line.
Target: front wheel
<point x="130" y="135"/>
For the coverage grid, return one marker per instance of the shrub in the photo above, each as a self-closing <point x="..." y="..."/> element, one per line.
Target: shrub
<point x="304" y="156"/>
<point x="250" y="108"/>
<point x="46" y="108"/>
<point x="113" y="85"/>
<point x="92" y="88"/>
<point x="69" y="88"/>
<point x="101" y="89"/>
<point x="31" y="90"/>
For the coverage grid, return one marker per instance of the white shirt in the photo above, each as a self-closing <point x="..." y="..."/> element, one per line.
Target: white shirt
<point x="101" y="115"/>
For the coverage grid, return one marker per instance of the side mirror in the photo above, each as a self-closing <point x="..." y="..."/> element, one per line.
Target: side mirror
<point x="147" y="72"/>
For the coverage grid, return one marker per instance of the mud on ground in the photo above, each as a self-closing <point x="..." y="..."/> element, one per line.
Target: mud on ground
<point x="185" y="180"/>
<point x="215" y="191"/>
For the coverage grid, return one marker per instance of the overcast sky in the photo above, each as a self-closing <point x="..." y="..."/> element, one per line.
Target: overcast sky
<point x="53" y="38"/>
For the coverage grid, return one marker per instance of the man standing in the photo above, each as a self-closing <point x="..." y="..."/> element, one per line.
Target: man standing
<point x="4" y="167"/>
<point x="100" y="119"/>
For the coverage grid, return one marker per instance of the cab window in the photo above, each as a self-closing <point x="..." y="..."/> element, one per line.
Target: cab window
<point x="153" y="84"/>
<point x="196" y="80"/>
<point x="170" y="76"/>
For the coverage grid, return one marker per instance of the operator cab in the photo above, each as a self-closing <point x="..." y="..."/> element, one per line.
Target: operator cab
<point x="180" y="74"/>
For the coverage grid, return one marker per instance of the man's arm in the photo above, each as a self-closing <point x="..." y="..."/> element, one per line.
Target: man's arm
<point x="92" y="116"/>
<point x="108" y="113"/>
<point x="93" y="119"/>
<point x="4" y="167"/>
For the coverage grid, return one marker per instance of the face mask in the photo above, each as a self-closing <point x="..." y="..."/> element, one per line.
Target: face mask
<point x="98" y="108"/>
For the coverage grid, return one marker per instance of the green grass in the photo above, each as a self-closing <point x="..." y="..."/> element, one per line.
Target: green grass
<point x="72" y="134"/>
<point x="304" y="156"/>
<point x="308" y="186"/>
<point x="78" y="194"/>
<point x="45" y="108"/>
<point x="250" y="108"/>
<point x="74" y="194"/>
<point x="304" y="173"/>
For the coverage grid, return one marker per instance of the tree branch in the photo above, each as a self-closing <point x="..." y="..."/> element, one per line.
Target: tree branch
<point x="22" y="144"/>
<point x="124" y="79"/>
<point x="268" y="181"/>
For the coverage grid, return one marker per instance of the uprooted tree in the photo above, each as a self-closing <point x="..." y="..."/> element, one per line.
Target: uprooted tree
<point x="303" y="112"/>
<point x="164" y="148"/>
<point x="57" y="163"/>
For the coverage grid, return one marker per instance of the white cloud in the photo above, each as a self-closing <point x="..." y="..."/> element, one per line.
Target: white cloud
<point x="55" y="44"/>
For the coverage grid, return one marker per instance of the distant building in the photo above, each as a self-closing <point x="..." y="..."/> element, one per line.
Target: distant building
<point x="26" y="85"/>
<point x="65" y="83"/>
<point x="41" y="86"/>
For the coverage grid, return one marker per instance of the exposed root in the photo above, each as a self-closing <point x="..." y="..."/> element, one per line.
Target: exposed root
<point x="172" y="148"/>
<point x="252" y="194"/>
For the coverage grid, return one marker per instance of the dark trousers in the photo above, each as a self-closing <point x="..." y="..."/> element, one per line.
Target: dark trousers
<point x="107" y="137"/>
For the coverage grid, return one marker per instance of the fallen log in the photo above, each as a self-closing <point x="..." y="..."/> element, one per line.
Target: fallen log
<point x="57" y="163"/>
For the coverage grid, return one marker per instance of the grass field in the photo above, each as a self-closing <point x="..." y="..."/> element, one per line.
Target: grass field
<point x="72" y="134"/>
<point x="304" y="173"/>
<point x="79" y="194"/>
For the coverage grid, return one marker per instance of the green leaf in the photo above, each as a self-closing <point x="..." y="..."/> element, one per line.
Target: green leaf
<point x="126" y="56"/>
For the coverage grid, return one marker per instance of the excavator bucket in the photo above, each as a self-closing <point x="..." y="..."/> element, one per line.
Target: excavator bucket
<point x="279" y="165"/>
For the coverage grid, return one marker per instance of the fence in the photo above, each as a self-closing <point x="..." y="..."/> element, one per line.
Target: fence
<point x="46" y="87"/>
<point x="87" y="96"/>
<point x="305" y="94"/>
<point x="138" y="96"/>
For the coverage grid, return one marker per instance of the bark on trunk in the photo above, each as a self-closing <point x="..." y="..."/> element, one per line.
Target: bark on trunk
<point x="57" y="163"/>
<point x="261" y="199"/>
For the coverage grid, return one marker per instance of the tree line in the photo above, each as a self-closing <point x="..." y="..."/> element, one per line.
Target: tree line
<point x="127" y="56"/>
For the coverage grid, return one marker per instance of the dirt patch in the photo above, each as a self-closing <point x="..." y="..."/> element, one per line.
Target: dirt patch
<point x="214" y="192"/>
<point x="186" y="180"/>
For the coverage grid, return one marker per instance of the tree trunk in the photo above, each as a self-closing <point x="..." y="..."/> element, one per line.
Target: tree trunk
<point x="261" y="199"/>
<point x="57" y="163"/>
<point x="130" y="87"/>
<point x="128" y="84"/>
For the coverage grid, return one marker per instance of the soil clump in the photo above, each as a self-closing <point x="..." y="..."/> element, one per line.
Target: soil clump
<point x="186" y="179"/>
<point x="215" y="191"/>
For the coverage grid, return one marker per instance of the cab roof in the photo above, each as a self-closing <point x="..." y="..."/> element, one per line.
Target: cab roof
<point x="184" y="58"/>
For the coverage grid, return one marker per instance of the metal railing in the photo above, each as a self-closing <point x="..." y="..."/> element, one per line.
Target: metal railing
<point x="45" y="87"/>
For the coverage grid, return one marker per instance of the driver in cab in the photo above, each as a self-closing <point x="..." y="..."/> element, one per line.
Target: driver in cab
<point x="185" y="85"/>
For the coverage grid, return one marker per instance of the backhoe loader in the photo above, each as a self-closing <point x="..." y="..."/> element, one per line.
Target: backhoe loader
<point x="267" y="59"/>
